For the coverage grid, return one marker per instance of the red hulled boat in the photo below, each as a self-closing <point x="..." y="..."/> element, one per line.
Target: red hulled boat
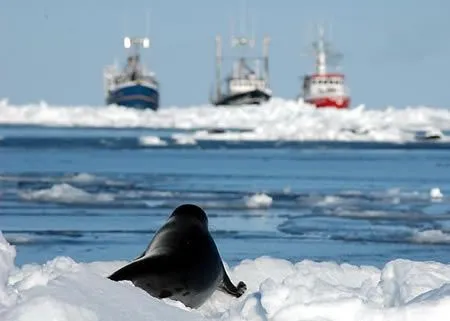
<point x="323" y="88"/>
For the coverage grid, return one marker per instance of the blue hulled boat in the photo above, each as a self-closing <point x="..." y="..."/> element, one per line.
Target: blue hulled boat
<point x="134" y="86"/>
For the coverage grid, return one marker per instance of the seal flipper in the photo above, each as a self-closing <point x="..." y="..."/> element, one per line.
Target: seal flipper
<point x="136" y="269"/>
<point x="228" y="286"/>
<point x="124" y="273"/>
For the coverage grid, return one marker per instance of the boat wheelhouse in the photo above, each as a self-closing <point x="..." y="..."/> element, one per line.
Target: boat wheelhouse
<point x="134" y="86"/>
<point x="324" y="88"/>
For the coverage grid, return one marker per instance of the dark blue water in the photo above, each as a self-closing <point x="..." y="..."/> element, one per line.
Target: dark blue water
<point x="100" y="194"/>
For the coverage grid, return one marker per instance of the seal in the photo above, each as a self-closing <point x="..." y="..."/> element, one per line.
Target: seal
<point x="181" y="262"/>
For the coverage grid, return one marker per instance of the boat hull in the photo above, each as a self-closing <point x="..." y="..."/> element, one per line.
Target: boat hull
<point x="255" y="97"/>
<point x="330" y="102"/>
<point x="135" y="96"/>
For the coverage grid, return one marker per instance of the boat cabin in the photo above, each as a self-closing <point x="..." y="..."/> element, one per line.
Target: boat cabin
<point x="319" y="84"/>
<point x="244" y="79"/>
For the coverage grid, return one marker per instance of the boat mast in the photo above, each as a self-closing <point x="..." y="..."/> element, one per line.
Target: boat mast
<point x="242" y="41"/>
<point x="321" y="57"/>
<point x="265" y="52"/>
<point x="135" y="43"/>
<point x="218" y="66"/>
<point x="325" y="55"/>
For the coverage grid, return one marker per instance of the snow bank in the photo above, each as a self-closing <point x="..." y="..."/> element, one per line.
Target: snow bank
<point x="278" y="290"/>
<point x="278" y="119"/>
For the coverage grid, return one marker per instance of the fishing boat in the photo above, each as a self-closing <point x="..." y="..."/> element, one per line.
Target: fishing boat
<point x="247" y="84"/>
<point x="323" y="88"/>
<point x="134" y="86"/>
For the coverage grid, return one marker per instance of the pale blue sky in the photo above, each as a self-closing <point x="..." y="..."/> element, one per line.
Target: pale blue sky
<point x="397" y="52"/>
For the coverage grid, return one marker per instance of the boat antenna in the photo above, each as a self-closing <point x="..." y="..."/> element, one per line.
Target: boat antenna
<point x="232" y="22"/>
<point x="253" y="42"/>
<point x="335" y="56"/>
<point x="252" y="31"/>
<point x="148" y="14"/>
<point x="266" y="44"/>
<point x="125" y="24"/>
<point x="242" y="26"/>
<point x="242" y="39"/>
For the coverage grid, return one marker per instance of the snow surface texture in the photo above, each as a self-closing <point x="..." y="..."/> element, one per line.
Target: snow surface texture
<point x="278" y="290"/>
<point x="278" y="119"/>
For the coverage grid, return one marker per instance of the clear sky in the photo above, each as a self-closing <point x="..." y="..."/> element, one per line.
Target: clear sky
<point x="396" y="52"/>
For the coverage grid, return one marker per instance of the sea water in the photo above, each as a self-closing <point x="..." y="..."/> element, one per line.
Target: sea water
<point x="100" y="194"/>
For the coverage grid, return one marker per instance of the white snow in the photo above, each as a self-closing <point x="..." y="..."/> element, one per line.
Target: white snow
<point x="436" y="193"/>
<point x="278" y="119"/>
<point x="431" y="236"/>
<point x="65" y="193"/>
<point x="84" y="178"/>
<point x="151" y="141"/>
<point x="183" y="139"/>
<point x="260" y="200"/>
<point x="278" y="290"/>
